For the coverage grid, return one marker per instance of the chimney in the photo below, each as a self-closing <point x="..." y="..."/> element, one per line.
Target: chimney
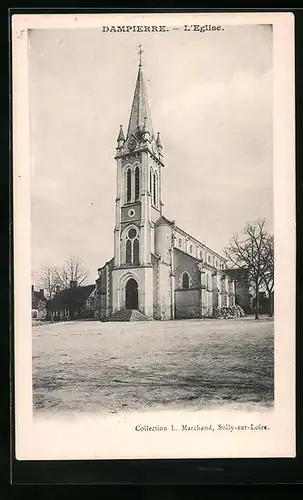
<point x="73" y="284"/>
<point x="57" y="288"/>
<point x="33" y="288"/>
<point x="42" y="292"/>
<point x="100" y="272"/>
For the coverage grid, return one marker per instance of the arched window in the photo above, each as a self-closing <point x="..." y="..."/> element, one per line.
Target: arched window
<point x="128" y="185"/>
<point x="136" y="251"/>
<point x="201" y="254"/>
<point x="128" y="251"/>
<point x="185" y="281"/>
<point x="180" y="243"/>
<point x="132" y="247"/>
<point x="155" y="190"/>
<point x="191" y="249"/>
<point x="137" y="183"/>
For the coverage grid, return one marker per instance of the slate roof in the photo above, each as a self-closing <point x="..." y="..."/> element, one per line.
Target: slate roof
<point x="71" y="297"/>
<point x="164" y="220"/>
<point x="179" y="250"/>
<point x="140" y="108"/>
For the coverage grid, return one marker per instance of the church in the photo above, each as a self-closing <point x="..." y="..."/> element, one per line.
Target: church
<point x="158" y="270"/>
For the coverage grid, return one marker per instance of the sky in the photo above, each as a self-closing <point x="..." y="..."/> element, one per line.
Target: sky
<point x="210" y="96"/>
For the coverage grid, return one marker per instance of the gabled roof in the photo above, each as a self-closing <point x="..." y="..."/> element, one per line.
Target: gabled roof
<point x="164" y="220"/>
<point x="205" y="264"/>
<point x="179" y="250"/>
<point x="71" y="297"/>
<point x="140" y="108"/>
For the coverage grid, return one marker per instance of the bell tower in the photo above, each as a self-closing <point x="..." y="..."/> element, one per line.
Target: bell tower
<point x="139" y="157"/>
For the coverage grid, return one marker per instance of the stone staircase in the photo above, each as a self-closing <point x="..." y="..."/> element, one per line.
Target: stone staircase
<point x="128" y="315"/>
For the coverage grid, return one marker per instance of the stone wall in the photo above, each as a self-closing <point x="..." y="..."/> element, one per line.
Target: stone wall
<point x="185" y="263"/>
<point x="187" y="303"/>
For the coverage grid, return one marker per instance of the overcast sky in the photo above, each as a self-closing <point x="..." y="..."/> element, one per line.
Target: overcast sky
<point x="210" y="96"/>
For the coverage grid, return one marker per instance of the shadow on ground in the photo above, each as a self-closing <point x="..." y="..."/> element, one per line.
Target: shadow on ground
<point x="92" y="366"/>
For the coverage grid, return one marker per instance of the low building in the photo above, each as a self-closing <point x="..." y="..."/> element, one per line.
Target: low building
<point x="266" y="303"/>
<point x="39" y="304"/>
<point x="75" y="302"/>
<point x="243" y="295"/>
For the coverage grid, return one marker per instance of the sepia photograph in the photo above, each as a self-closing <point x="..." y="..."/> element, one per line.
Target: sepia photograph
<point x="152" y="242"/>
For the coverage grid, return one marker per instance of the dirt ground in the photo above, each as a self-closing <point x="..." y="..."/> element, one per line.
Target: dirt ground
<point x="92" y="366"/>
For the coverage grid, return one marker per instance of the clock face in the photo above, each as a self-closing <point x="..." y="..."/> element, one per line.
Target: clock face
<point x="132" y="144"/>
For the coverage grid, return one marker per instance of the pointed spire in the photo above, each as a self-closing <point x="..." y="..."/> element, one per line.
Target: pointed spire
<point x="140" y="108"/>
<point x="145" y="125"/>
<point x="145" y="129"/>
<point x="121" y="137"/>
<point x="159" y="143"/>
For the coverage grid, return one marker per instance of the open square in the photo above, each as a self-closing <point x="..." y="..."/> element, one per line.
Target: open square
<point x="92" y="366"/>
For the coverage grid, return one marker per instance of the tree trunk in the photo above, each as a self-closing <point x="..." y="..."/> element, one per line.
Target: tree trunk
<point x="271" y="306"/>
<point x="257" y="305"/>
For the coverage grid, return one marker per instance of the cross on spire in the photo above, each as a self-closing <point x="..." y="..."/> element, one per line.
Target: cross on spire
<point x="140" y="52"/>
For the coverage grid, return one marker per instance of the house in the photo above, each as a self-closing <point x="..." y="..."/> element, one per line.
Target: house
<point x="39" y="304"/>
<point x="75" y="302"/>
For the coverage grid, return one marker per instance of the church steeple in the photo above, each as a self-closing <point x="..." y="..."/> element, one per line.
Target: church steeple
<point x="139" y="156"/>
<point x="140" y="113"/>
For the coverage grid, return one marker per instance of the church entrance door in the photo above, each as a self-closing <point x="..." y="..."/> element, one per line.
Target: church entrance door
<point x="131" y="294"/>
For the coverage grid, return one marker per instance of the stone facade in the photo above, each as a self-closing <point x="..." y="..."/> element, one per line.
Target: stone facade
<point x="157" y="267"/>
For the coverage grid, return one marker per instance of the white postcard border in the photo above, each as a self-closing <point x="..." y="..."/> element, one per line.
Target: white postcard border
<point x="114" y="437"/>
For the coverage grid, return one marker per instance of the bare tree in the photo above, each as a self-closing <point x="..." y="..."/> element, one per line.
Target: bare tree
<point x="268" y="269"/>
<point x="49" y="280"/>
<point x="251" y="253"/>
<point x="72" y="270"/>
